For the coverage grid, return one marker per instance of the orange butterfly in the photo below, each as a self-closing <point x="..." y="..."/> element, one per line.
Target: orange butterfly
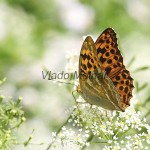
<point x="103" y="79"/>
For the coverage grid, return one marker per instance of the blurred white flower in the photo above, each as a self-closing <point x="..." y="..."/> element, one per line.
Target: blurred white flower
<point x="143" y="10"/>
<point x="72" y="20"/>
<point x="72" y="61"/>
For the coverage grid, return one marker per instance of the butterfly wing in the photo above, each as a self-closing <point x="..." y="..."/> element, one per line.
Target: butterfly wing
<point x="112" y="63"/>
<point x="87" y="60"/>
<point x="94" y="87"/>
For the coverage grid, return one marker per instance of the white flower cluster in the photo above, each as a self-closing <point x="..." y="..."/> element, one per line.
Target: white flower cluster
<point x="108" y="130"/>
<point x="114" y="130"/>
<point x="70" y="138"/>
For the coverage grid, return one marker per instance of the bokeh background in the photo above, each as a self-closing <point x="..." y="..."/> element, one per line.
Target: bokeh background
<point x="37" y="34"/>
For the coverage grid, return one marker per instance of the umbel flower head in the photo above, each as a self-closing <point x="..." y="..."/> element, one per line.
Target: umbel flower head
<point x="106" y="130"/>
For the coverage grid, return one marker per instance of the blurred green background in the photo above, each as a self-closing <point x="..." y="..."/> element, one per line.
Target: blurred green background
<point x="36" y="34"/>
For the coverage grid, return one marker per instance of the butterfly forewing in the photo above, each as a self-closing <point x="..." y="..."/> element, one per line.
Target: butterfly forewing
<point x="88" y="60"/>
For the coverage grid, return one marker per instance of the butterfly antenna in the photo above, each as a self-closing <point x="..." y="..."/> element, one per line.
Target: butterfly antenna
<point x="73" y="95"/>
<point x="62" y="82"/>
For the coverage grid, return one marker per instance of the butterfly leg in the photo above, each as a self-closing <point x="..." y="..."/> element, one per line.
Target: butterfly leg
<point x="73" y="95"/>
<point x="107" y="115"/>
<point x="104" y="74"/>
<point x="92" y="107"/>
<point x="77" y="102"/>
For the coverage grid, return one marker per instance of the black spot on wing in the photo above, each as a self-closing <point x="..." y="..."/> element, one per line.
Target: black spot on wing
<point x="112" y="51"/>
<point x="122" y="82"/>
<point x="84" y="66"/>
<point x="117" y="78"/>
<point x="108" y="70"/>
<point x="115" y="66"/>
<point x="124" y="75"/>
<point x="115" y="57"/>
<point x="92" y="60"/>
<point x="85" y="56"/>
<point x="101" y="41"/>
<point x="102" y="51"/>
<point x="107" y="54"/>
<point x="109" y="61"/>
<point x="118" y="52"/>
<point x="89" y="65"/>
<point x="127" y="82"/>
<point x="102" y="59"/>
<point x="115" y="83"/>
<point x="107" y="41"/>
<point x="121" y="88"/>
<point x="121" y="59"/>
<point x="124" y="98"/>
<point x="126" y="90"/>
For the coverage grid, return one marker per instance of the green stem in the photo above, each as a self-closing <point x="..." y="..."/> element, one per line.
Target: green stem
<point x="99" y="142"/>
<point x="146" y="115"/>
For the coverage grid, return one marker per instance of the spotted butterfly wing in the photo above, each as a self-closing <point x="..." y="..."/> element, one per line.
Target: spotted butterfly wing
<point x="96" y="87"/>
<point x="112" y="63"/>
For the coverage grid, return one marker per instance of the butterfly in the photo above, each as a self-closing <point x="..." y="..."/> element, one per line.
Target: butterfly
<point x="103" y="79"/>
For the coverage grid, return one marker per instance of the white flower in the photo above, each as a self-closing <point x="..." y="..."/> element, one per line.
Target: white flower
<point x="116" y="148"/>
<point x="115" y="138"/>
<point x="109" y="141"/>
<point x="87" y="131"/>
<point x="87" y="144"/>
<point x="53" y="134"/>
<point x="64" y="128"/>
<point x="128" y="137"/>
<point x="72" y="58"/>
<point x="80" y="130"/>
<point x="121" y="141"/>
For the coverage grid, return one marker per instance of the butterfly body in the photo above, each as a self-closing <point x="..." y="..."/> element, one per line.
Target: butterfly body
<point x="98" y="78"/>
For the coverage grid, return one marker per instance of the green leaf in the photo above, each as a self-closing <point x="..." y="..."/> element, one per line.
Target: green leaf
<point x="2" y="80"/>
<point x="146" y="101"/>
<point x="141" y="69"/>
<point x="140" y="88"/>
<point x="130" y="62"/>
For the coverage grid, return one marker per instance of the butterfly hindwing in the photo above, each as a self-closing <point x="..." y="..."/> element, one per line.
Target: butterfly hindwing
<point x="108" y="52"/>
<point x="112" y="63"/>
